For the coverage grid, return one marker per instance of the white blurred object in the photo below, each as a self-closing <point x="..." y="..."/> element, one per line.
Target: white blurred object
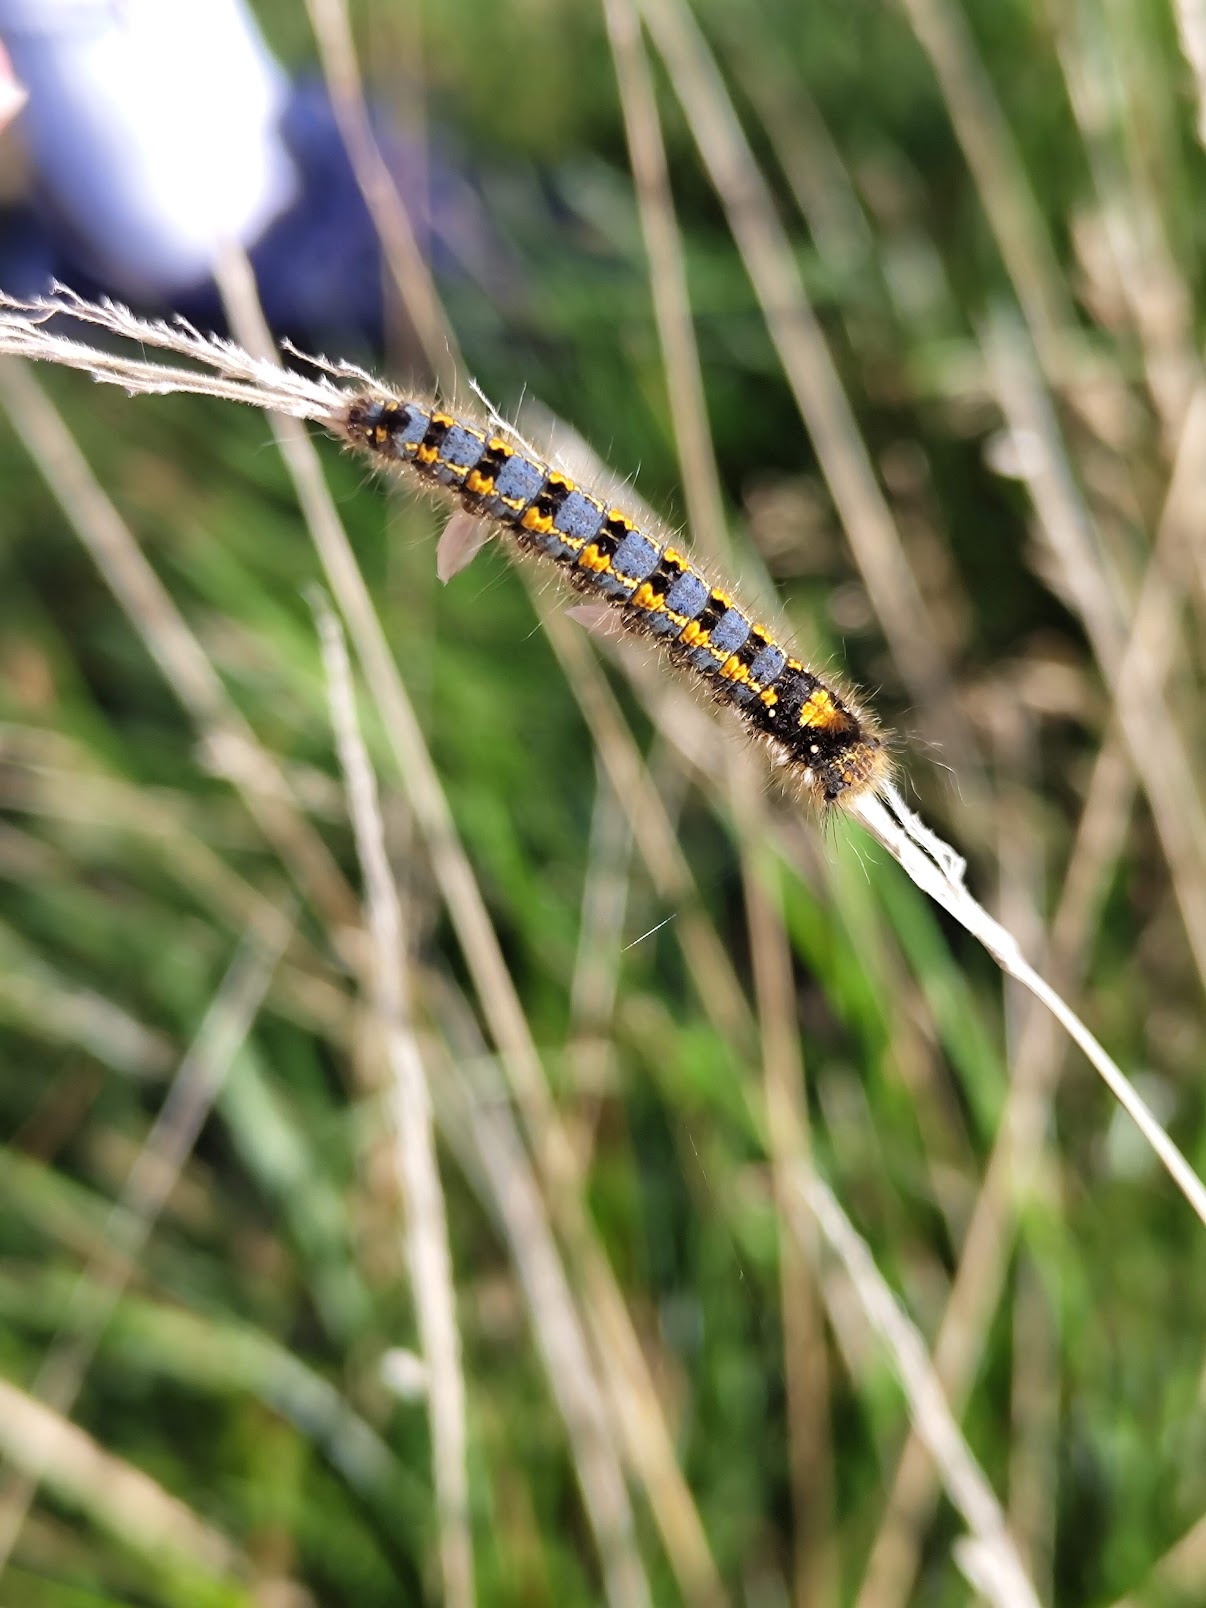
<point x="153" y="127"/>
<point x="12" y="95"/>
<point x="404" y="1373"/>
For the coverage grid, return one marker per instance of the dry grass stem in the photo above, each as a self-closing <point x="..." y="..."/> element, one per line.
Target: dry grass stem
<point x="988" y="1238"/>
<point x="1034" y="1465"/>
<point x="1191" y="29"/>
<point x="1150" y="287"/>
<point x="938" y="874"/>
<point x="668" y="282"/>
<point x="993" y="1565"/>
<point x="411" y="273"/>
<point x="428" y="1252"/>
<point x="136" y="1510"/>
<point x="1132" y="664"/>
<point x="516" y="1198"/>
<point x="233" y="375"/>
<point x="996" y="164"/>
<point x="806" y="1365"/>
<point x="1180" y="1573"/>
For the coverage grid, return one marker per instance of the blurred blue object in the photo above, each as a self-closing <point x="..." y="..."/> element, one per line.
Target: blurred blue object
<point x="142" y="163"/>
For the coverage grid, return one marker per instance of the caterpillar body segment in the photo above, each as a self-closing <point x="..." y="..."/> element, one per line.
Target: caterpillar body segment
<point x="657" y="589"/>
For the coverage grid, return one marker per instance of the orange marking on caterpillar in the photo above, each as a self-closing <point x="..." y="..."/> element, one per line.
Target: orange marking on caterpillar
<point x="592" y="559"/>
<point x="646" y="598"/>
<point x="540" y="524"/>
<point x="820" y="712"/>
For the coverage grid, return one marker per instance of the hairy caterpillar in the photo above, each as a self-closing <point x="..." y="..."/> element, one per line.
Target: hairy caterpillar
<point x="827" y="742"/>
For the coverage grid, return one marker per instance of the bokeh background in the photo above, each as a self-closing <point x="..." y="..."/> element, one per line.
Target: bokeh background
<point x="988" y="512"/>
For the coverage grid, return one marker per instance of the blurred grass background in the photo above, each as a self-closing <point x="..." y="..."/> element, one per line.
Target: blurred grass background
<point x="995" y="214"/>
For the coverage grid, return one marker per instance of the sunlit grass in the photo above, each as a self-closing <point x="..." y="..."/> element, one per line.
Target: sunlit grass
<point x="695" y="1024"/>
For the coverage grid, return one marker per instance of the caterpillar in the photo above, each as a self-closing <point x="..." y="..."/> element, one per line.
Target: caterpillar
<point x="820" y="734"/>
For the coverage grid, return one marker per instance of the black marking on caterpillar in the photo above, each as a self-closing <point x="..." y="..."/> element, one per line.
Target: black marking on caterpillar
<point x="817" y="731"/>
